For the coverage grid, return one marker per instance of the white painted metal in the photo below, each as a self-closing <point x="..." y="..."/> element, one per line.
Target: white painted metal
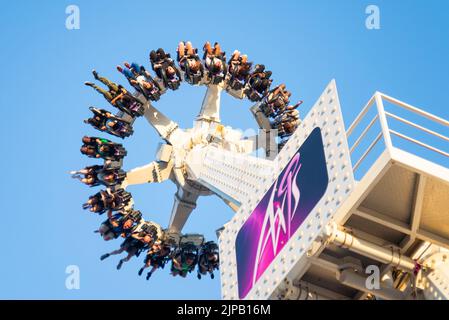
<point x="231" y="175"/>
<point x="357" y="281"/>
<point x="414" y="125"/>
<point x="368" y="150"/>
<point x="435" y="276"/>
<point x="163" y="125"/>
<point x="261" y="119"/>
<point x="292" y="260"/>
<point x="364" y="132"/>
<point x="382" y="117"/>
<point x="383" y="121"/>
<point x="213" y="159"/>
<point x="413" y="109"/>
<point x="403" y="136"/>
<point x="434" y="279"/>
<point x="150" y="173"/>
<point x="184" y="155"/>
<point x="301" y="290"/>
<point x="210" y="109"/>
<point x="184" y="204"/>
<point x="385" y="255"/>
<point x="296" y="260"/>
<point x="360" y="116"/>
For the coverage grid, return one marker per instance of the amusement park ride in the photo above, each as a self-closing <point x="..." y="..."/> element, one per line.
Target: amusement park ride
<point x="322" y="211"/>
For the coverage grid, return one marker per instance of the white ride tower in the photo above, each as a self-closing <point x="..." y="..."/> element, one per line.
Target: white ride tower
<point x="382" y="214"/>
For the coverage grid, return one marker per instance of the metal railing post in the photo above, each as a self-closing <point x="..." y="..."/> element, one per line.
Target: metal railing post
<point x="383" y="121"/>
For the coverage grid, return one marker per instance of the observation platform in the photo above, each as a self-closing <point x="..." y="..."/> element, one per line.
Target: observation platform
<point x="393" y="214"/>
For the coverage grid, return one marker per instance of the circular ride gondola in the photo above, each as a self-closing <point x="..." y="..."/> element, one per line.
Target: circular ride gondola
<point x="238" y="77"/>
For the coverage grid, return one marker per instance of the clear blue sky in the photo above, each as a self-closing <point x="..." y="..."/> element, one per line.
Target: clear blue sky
<point x="43" y="101"/>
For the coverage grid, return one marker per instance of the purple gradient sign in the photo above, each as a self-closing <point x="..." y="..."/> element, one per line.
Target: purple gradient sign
<point x="281" y="211"/>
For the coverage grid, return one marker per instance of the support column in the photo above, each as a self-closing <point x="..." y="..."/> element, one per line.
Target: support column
<point x="184" y="204"/>
<point x="210" y="109"/>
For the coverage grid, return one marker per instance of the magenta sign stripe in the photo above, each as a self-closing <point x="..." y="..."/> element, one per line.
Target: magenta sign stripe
<point x="282" y="210"/>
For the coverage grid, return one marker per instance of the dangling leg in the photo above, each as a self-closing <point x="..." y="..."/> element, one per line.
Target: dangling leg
<point x="111" y="85"/>
<point x="207" y="48"/>
<point x="189" y="48"/>
<point x="181" y="50"/>
<point x="146" y="265"/>
<point x="126" y="259"/>
<point x="151" y="272"/>
<point x="217" y="49"/>
<point x="106" y="255"/>
<point x="100" y="90"/>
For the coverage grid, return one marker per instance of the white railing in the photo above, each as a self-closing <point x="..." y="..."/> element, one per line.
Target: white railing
<point x="381" y="117"/>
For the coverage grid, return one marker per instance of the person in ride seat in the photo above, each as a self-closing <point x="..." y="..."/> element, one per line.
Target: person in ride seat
<point x="98" y="121"/>
<point x="239" y="65"/>
<point x="141" y="237"/>
<point x="259" y="83"/>
<point x="126" y="102"/>
<point x="185" y="50"/>
<point x="194" y="65"/>
<point x="214" y="58"/>
<point x="263" y="78"/>
<point x="279" y="97"/>
<point x="141" y="80"/>
<point x="210" y="52"/>
<point x="290" y="113"/>
<point x="111" y="177"/>
<point x="184" y="261"/>
<point x="88" y="175"/>
<point x="145" y="80"/>
<point x="107" y="200"/>
<point x="208" y="260"/>
<point x="105" y="121"/>
<point x="119" y="224"/>
<point x="131" y="75"/>
<point x="131" y="245"/>
<point x="171" y="73"/>
<point x="156" y="257"/>
<point x="275" y="101"/>
<point x="113" y="88"/>
<point x="188" y="60"/>
<point x="96" y="203"/>
<point x="157" y="58"/>
<point x="98" y="174"/>
<point x="165" y="68"/>
<point x="95" y="147"/>
<point x="239" y="68"/>
<point x="118" y="127"/>
<point x="117" y="96"/>
<point x="100" y="202"/>
<point x="121" y="199"/>
<point x="215" y="66"/>
<point x="287" y="128"/>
